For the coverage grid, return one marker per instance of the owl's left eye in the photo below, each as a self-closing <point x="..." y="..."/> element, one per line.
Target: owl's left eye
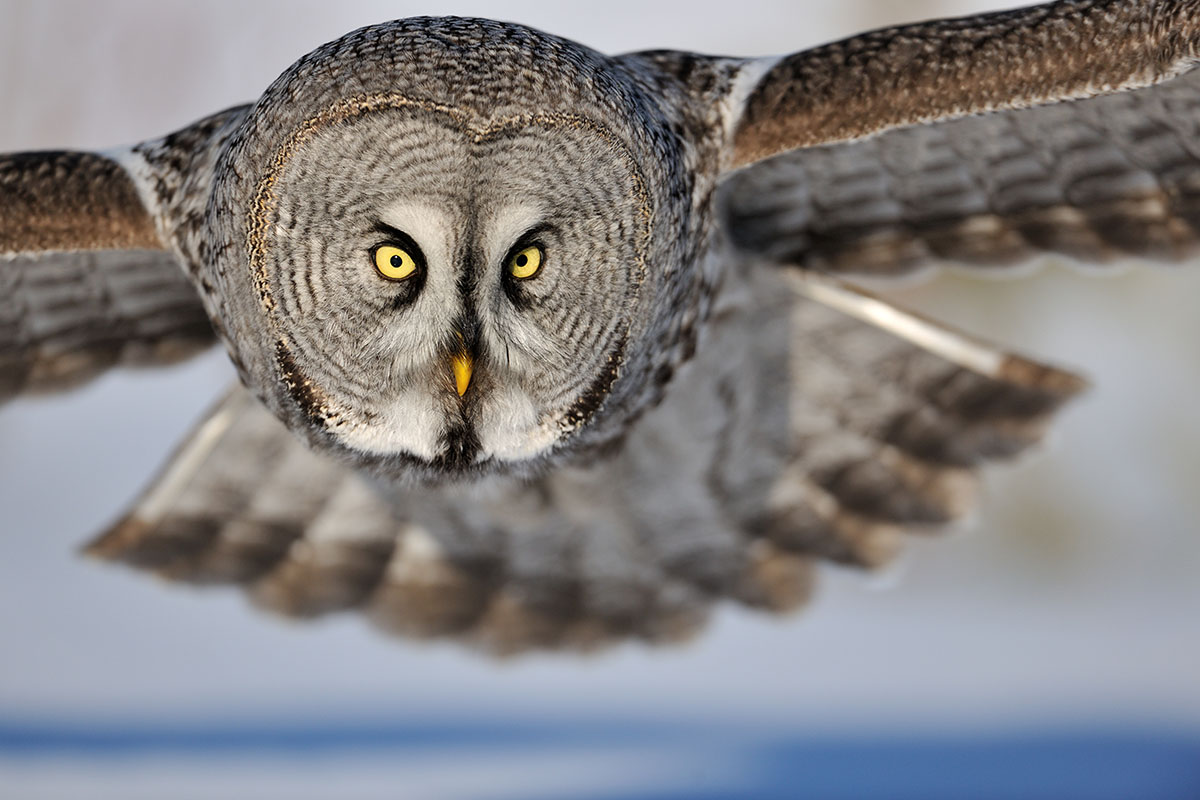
<point x="393" y="262"/>
<point x="526" y="262"/>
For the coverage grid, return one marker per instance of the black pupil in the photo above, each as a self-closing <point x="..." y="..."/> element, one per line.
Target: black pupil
<point x="397" y="261"/>
<point x="522" y="260"/>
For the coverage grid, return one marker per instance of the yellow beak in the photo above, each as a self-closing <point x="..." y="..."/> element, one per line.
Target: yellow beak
<point x="461" y="363"/>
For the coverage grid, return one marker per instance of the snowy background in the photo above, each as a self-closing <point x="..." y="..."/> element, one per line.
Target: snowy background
<point x="1056" y="643"/>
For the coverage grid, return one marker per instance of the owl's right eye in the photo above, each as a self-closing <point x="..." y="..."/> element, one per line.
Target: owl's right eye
<point x="393" y="262"/>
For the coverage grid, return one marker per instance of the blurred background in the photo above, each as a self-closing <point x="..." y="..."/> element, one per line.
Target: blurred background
<point x="1050" y="649"/>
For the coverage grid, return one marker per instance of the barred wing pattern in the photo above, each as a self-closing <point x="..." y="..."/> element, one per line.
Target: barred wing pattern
<point x="89" y="277"/>
<point x="1094" y="180"/>
<point x="948" y="68"/>
<point x="66" y="317"/>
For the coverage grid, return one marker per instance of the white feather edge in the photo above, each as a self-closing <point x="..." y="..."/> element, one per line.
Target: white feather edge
<point x="196" y="449"/>
<point x="749" y="75"/>
<point x="140" y="173"/>
<point x="954" y="346"/>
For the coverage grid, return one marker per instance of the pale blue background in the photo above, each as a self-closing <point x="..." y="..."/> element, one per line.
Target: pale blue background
<point x="1069" y="612"/>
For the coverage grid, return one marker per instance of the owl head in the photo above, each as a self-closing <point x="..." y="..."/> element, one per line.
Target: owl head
<point x="451" y="246"/>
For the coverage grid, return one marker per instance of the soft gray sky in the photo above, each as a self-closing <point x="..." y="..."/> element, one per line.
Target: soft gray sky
<point x="1076" y="596"/>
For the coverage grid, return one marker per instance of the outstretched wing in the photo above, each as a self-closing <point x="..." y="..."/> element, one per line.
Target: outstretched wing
<point x="870" y="156"/>
<point x="1093" y="180"/>
<point x="946" y="69"/>
<point x="884" y="421"/>
<point x="90" y="271"/>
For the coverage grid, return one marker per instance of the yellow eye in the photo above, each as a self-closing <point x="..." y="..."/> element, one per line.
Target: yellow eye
<point x="394" y="263"/>
<point x="525" y="263"/>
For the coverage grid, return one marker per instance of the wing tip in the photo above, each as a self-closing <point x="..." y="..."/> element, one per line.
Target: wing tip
<point x="1057" y="383"/>
<point x="115" y="543"/>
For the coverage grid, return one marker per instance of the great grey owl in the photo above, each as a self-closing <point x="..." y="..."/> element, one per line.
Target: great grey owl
<point x="560" y="342"/>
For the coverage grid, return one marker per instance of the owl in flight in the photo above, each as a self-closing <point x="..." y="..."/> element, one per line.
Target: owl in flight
<point x="543" y="348"/>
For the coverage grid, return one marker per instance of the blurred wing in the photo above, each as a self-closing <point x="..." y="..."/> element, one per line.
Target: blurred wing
<point x="89" y="272"/>
<point x="951" y="68"/>
<point x="876" y="423"/>
<point x="889" y="416"/>
<point x="243" y="501"/>
<point x="1094" y="180"/>
<point x="66" y="317"/>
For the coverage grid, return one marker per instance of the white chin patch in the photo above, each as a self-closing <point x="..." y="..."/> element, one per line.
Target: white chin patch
<point x="410" y="423"/>
<point x="510" y="428"/>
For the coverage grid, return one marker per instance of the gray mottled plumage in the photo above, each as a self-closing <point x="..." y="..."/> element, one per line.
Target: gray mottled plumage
<point x="684" y="404"/>
<point x="1094" y="180"/>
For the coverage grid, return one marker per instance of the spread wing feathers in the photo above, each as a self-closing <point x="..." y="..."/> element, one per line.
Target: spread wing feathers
<point x="66" y="317"/>
<point x="1093" y="179"/>
<point x="888" y="418"/>
<point x="244" y="502"/>
<point x="90" y="275"/>
<point x="950" y="68"/>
